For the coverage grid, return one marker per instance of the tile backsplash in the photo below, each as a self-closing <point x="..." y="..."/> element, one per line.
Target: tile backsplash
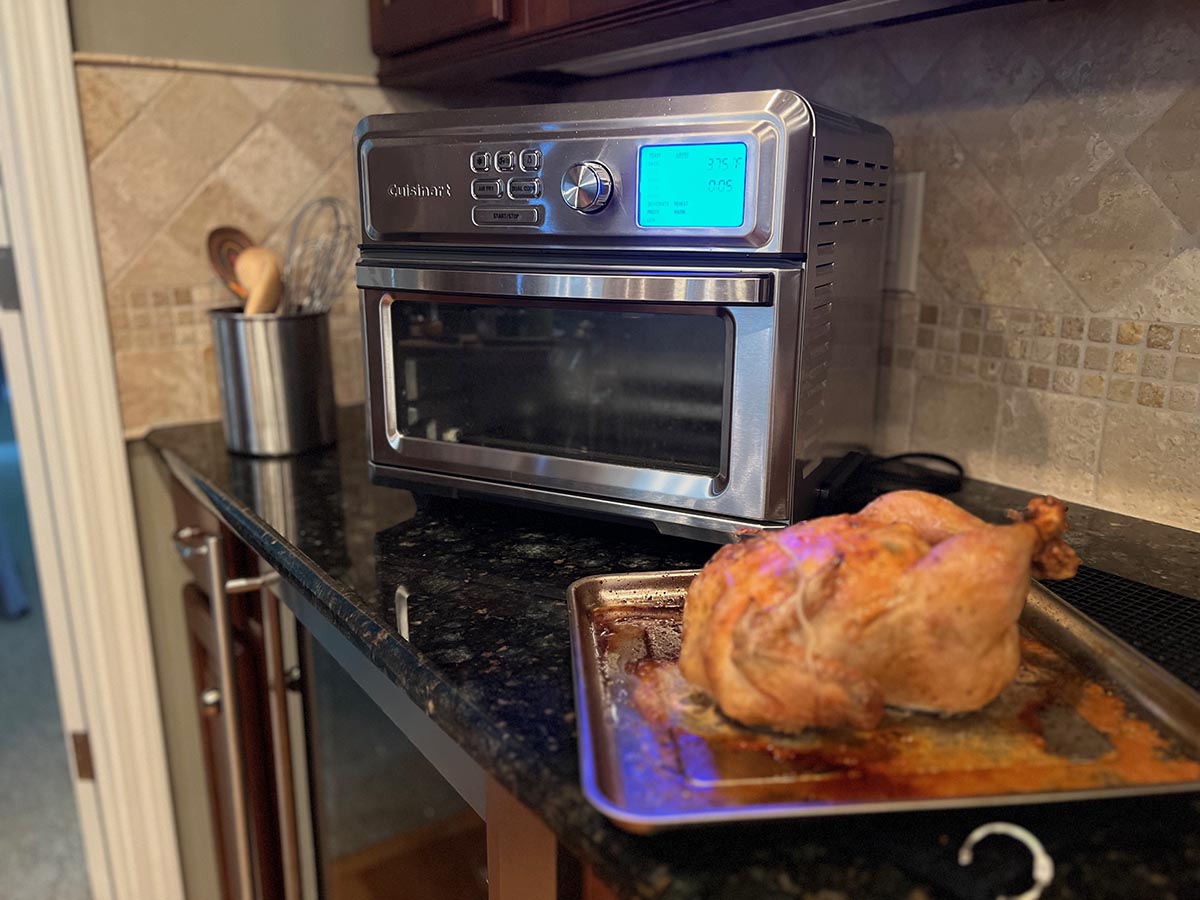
<point x="1053" y="343"/>
<point x="173" y="154"/>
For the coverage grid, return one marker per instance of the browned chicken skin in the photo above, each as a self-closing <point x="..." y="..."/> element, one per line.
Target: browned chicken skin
<point x="912" y="602"/>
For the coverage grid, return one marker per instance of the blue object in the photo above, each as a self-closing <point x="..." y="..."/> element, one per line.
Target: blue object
<point x="691" y="185"/>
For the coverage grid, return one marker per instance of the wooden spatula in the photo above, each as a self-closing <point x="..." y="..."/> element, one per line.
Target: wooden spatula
<point x="260" y="271"/>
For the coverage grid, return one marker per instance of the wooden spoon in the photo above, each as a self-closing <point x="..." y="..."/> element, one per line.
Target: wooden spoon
<point x="260" y="271"/>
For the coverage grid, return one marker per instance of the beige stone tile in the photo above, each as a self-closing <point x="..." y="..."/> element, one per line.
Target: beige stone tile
<point x="1043" y="350"/>
<point x="268" y="172"/>
<point x="980" y="80"/>
<point x="1148" y="465"/>
<point x="1189" y="340"/>
<point x="161" y="386"/>
<point x="974" y="245"/>
<point x="944" y="364"/>
<point x="348" y="370"/>
<point x="967" y="366"/>
<point x="1065" y="381"/>
<point x="1046" y="325"/>
<point x="152" y="168"/>
<point x="1072" y="328"/>
<point x="1168" y="157"/>
<point x="1160" y="337"/>
<point x="806" y="64"/>
<point x="1112" y="236"/>
<point x="1120" y="390"/>
<point x="1184" y="399"/>
<point x="263" y="92"/>
<point x="206" y="113"/>
<point x="1092" y="384"/>
<point x="1170" y="294"/>
<point x="1100" y="330"/>
<point x="1149" y="394"/>
<point x="1042" y="155"/>
<point x="1039" y="377"/>
<point x="1068" y="354"/>
<point x="957" y="418"/>
<point x="1049" y="442"/>
<point x="893" y="411"/>
<point x="1187" y="370"/>
<point x="217" y="204"/>
<point x="318" y="120"/>
<point x="121" y="228"/>
<point x="1131" y="333"/>
<point x="142" y="83"/>
<point x="1155" y="365"/>
<point x="947" y="340"/>
<point x="968" y="342"/>
<point x="1049" y="31"/>
<point x="1125" y="362"/>
<point x="989" y="369"/>
<point x="1137" y="61"/>
<point x="867" y="83"/>
<point x="1014" y="372"/>
<point x="915" y="47"/>
<point x="104" y="108"/>
<point x="1096" y="358"/>
<point x="163" y="263"/>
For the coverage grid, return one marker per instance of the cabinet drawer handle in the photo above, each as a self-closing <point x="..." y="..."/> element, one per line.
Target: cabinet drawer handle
<point x="210" y="702"/>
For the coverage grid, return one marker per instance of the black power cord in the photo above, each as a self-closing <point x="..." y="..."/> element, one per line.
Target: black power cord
<point x="858" y="478"/>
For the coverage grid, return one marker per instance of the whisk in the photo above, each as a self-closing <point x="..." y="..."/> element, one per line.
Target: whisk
<point x="320" y="247"/>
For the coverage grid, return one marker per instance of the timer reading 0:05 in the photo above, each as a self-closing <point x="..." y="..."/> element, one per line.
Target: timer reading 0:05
<point x="720" y="185"/>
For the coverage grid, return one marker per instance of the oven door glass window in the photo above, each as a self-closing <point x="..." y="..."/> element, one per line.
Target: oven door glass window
<point x="596" y="383"/>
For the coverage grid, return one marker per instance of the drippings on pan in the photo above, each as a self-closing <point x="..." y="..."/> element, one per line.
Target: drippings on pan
<point x="912" y="602"/>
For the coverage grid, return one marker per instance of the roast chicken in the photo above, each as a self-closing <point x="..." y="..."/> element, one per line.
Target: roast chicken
<point x="912" y="602"/>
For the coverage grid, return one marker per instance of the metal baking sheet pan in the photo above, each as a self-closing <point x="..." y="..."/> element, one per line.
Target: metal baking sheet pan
<point x="1086" y="717"/>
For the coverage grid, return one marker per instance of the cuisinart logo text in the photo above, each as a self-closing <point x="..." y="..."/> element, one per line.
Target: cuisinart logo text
<point x="419" y="190"/>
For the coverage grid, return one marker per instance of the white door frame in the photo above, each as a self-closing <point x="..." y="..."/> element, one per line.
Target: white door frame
<point x="75" y="466"/>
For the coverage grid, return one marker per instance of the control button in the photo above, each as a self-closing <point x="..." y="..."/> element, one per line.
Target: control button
<point x="531" y="160"/>
<point x="487" y="188"/>
<point x="503" y="215"/>
<point x="587" y="187"/>
<point x="506" y="160"/>
<point x="481" y="160"/>
<point x="524" y="188"/>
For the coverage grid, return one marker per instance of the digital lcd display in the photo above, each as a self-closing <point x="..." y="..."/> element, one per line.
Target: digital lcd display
<point x="691" y="185"/>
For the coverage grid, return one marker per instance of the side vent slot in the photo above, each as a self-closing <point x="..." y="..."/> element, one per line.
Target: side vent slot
<point x="870" y="165"/>
<point x="833" y="160"/>
<point x="851" y="162"/>
<point x="833" y="181"/>
<point x="826" y="248"/>
<point x="829" y="202"/>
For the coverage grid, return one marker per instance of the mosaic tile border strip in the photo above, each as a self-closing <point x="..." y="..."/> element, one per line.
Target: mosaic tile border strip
<point x="1153" y="364"/>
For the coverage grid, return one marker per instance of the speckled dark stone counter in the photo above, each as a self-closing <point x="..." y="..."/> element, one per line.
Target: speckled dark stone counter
<point x="487" y="655"/>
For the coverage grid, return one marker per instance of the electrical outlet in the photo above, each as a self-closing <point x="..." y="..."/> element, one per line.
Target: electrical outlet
<point x="904" y="232"/>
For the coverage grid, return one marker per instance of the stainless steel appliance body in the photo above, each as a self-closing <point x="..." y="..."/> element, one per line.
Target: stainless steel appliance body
<point x="662" y="309"/>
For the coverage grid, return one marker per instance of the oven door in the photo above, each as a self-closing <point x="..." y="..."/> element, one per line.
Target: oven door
<point x="661" y="390"/>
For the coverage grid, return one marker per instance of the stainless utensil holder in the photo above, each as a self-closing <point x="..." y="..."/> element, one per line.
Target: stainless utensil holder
<point x="276" y="381"/>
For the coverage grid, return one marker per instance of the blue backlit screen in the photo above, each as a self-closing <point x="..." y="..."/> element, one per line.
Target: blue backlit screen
<point x="691" y="185"/>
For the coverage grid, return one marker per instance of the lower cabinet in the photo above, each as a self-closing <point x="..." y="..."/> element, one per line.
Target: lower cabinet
<point x="314" y="793"/>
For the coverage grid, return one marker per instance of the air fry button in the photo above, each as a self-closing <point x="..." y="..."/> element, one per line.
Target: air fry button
<point x="491" y="216"/>
<point x="486" y="188"/>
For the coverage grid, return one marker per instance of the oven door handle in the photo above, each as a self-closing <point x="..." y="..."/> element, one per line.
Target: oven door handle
<point x="691" y="287"/>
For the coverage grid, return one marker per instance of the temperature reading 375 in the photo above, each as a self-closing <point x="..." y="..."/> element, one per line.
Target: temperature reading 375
<point x="692" y="185"/>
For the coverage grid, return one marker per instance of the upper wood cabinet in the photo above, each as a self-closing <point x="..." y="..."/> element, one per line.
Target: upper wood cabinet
<point x="455" y="42"/>
<point x="398" y="26"/>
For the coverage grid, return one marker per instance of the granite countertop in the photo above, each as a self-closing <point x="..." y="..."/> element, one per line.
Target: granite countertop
<point x="487" y="656"/>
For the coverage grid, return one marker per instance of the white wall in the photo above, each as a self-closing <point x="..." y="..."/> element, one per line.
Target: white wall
<point x="306" y="35"/>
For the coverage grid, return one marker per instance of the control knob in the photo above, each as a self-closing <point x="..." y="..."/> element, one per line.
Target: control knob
<point x="587" y="187"/>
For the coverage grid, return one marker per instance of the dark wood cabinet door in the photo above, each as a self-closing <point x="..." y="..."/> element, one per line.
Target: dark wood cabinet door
<point x="254" y="728"/>
<point x="398" y="26"/>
